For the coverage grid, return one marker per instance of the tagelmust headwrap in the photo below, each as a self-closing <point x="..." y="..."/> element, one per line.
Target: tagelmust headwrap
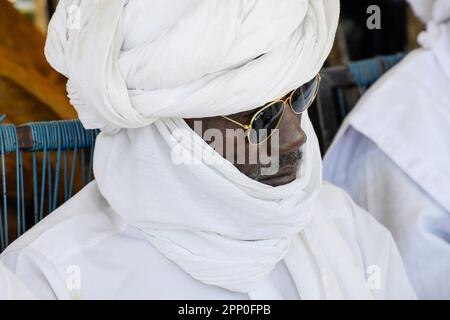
<point x="136" y="68"/>
<point x="132" y="62"/>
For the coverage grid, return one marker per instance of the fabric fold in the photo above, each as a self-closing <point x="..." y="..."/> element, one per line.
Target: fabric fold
<point x="178" y="64"/>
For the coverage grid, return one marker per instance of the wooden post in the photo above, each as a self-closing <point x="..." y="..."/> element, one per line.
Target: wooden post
<point x="41" y="15"/>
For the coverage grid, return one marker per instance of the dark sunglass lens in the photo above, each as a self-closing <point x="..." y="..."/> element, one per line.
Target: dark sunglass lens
<point x="266" y="121"/>
<point x="303" y="96"/>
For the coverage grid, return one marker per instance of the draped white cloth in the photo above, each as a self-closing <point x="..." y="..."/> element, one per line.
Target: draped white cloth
<point x="12" y="288"/>
<point x="235" y="229"/>
<point x="392" y="154"/>
<point x="185" y="58"/>
<point x="86" y="250"/>
<point x="136" y="68"/>
<point x="431" y="10"/>
<point x="436" y="14"/>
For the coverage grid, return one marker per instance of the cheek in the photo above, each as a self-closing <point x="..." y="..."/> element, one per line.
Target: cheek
<point x="214" y="132"/>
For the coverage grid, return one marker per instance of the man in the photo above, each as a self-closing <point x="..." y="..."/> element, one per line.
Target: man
<point x="171" y="217"/>
<point x="392" y="154"/>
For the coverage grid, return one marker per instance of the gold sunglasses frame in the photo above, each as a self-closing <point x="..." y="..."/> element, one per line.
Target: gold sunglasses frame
<point x="284" y="100"/>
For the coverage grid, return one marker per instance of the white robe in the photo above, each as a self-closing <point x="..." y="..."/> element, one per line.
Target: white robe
<point x="84" y="250"/>
<point x="392" y="156"/>
<point x="12" y="287"/>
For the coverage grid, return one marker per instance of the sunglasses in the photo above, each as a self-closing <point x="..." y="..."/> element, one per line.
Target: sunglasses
<point x="267" y="119"/>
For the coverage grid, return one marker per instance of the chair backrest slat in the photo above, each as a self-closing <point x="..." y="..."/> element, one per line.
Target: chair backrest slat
<point x="51" y="156"/>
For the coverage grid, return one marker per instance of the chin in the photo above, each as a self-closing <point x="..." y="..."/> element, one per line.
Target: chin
<point x="283" y="178"/>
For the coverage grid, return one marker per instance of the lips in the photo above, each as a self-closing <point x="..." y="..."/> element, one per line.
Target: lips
<point x="285" y="171"/>
<point x="288" y="165"/>
<point x="286" y="174"/>
<point x="280" y="179"/>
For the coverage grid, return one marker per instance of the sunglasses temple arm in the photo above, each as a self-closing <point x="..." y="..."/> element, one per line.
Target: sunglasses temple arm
<point x="237" y="123"/>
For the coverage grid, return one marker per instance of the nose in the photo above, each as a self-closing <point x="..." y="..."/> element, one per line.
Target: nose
<point x="292" y="136"/>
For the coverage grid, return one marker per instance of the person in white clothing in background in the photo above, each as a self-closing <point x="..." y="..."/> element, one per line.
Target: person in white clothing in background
<point x="171" y="215"/>
<point x="393" y="152"/>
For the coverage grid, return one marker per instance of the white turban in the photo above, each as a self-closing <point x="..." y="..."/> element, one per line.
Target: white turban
<point x="140" y="62"/>
<point x="130" y="62"/>
<point x="436" y="14"/>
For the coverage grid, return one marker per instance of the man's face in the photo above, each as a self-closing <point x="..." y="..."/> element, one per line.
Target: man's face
<point x="287" y="142"/>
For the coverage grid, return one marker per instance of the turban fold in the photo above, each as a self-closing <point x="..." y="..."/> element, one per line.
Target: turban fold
<point x="130" y="62"/>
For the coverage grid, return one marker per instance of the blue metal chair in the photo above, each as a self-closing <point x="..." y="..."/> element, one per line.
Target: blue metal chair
<point x="59" y="153"/>
<point x="341" y="88"/>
